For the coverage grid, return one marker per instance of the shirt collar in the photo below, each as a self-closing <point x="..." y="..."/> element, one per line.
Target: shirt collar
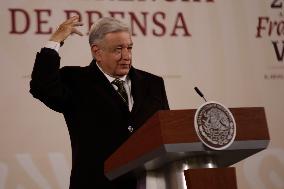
<point x="110" y="78"/>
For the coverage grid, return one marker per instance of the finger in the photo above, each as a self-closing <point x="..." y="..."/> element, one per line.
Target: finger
<point x="72" y="19"/>
<point x="74" y="30"/>
<point x="77" y="24"/>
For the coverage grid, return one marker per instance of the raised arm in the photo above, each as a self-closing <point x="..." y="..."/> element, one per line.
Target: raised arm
<point x="47" y="83"/>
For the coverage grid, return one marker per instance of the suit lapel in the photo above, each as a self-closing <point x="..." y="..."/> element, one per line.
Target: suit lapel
<point x="105" y="88"/>
<point x="138" y="88"/>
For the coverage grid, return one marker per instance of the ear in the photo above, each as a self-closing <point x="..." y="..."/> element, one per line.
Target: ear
<point x="96" y="52"/>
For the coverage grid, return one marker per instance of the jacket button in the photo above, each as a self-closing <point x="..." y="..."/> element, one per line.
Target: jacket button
<point x="130" y="129"/>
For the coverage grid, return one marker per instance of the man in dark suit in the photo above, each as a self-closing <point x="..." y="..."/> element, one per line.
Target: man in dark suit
<point x="103" y="103"/>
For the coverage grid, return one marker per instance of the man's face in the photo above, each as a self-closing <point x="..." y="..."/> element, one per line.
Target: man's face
<point x="114" y="54"/>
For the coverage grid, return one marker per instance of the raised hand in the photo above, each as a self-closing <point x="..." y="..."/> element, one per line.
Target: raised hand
<point x="67" y="28"/>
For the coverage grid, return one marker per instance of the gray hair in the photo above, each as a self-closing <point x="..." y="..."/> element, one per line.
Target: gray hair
<point x="104" y="26"/>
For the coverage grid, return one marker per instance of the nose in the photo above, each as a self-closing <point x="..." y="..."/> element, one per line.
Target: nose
<point x="126" y="54"/>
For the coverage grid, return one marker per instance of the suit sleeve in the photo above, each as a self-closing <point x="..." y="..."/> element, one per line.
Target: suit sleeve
<point x="46" y="83"/>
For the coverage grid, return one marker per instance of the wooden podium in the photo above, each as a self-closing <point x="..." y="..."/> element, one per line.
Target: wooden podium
<point x="168" y="142"/>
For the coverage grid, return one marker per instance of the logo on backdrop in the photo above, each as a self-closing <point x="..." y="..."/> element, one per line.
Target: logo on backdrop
<point x="215" y="125"/>
<point x="273" y="27"/>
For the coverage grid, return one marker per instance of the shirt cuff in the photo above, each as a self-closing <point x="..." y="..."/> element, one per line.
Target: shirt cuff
<point x="52" y="45"/>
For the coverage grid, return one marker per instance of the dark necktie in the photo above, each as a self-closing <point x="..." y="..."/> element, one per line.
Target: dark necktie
<point x="121" y="90"/>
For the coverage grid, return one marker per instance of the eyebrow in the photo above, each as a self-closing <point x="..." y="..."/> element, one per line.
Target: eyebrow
<point x="121" y="45"/>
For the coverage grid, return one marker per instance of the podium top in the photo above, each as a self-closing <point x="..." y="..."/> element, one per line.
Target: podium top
<point x="169" y="135"/>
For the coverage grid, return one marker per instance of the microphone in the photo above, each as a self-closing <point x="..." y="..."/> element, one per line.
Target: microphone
<point x="200" y="93"/>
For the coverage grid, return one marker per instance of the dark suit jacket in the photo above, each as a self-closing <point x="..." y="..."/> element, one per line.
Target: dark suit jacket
<point x="95" y="114"/>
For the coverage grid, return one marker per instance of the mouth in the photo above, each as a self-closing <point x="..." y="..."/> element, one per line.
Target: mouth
<point x="125" y="65"/>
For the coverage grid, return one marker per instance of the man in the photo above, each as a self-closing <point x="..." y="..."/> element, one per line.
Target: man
<point x="103" y="103"/>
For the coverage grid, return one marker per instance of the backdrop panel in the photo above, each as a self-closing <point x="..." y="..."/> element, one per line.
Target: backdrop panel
<point x="232" y="50"/>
